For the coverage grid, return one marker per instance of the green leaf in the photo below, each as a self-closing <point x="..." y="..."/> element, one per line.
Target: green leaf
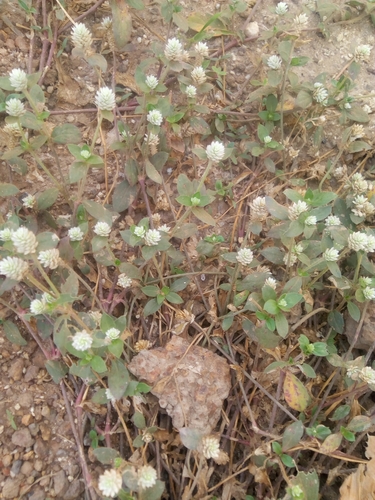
<point x="348" y="435"/>
<point x="307" y="370"/>
<point x="354" y="311"/>
<point x="309" y="483"/>
<point x="299" y="61"/>
<point x="274" y="255"/>
<point x="132" y="271"/>
<point x="13" y="334"/>
<point x="186" y="231"/>
<point x="204" y="216"/>
<point x="277" y="210"/>
<point x="105" y="456"/>
<point x="190" y="437"/>
<point x="180" y="284"/>
<point x="271" y="307"/>
<point x="47" y="198"/>
<point x="331" y="443"/>
<point x="7" y="189"/>
<point x="153" y="493"/>
<point x="276" y="448"/>
<point x="227" y="322"/>
<point x="359" y="424"/>
<point x="357" y="146"/>
<point x="282" y="326"/>
<point x="150" y="290"/>
<point x="37" y="94"/>
<point x="285" y="50"/>
<point x="340" y="412"/>
<point x="67" y="133"/>
<point x="357" y="114"/>
<point x="57" y="370"/>
<point x="124" y="195"/>
<point x="118" y="378"/>
<point x="174" y="298"/>
<point x="292" y="435"/>
<point x="304" y="99"/>
<point x="77" y="171"/>
<point x="97" y="60"/>
<point x="336" y="321"/>
<point x="151" y="307"/>
<point x="152" y="173"/>
<point x="291" y="299"/>
<point x="97" y="211"/>
<point x="139" y="420"/>
<point x="107" y="322"/>
<point x="295" y="392"/>
<point x="287" y="460"/>
<point x="98" y="364"/>
<point x="116" y="347"/>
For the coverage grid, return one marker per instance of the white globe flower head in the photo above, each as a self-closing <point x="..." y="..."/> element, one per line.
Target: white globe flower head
<point x="195" y="201"/>
<point x="85" y="154"/>
<point x="152" y="237"/>
<point x="364" y="281"/>
<point x="105" y="99"/>
<point x="370" y="244"/>
<point x="152" y="82"/>
<point x="50" y="258"/>
<point x="112" y="334"/>
<point x="14" y="107"/>
<point x="290" y="258"/>
<point x="259" y="210"/>
<point x="297" y="209"/>
<point x="81" y="36"/>
<point x="155" y="117"/>
<point x="332" y="220"/>
<point x="191" y="91"/>
<point x="297" y="249"/>
<point x="106" y="23"/>
<point x="320" y="94"/>
<point x="173" y="50"/>
<point x="146" y="477"/>
<point x="18" y="79"/>
<point x="152" y="139"/>
<point x="281" y="8"/>
<point x="367" y="374"/>
<point x="164" y="228"/>
<point x="139" y="231"/>
<point x="198" y="75"/>
<point x="201" y="49"/>
<point x="110" y="483"/>
<point x="274" y="62"/>
<point x="267" y="139"/>
<point x="331" y="255"/>
<point x="300" y="21"/>
<point x="24" y="241"/>
<point x="245" y="256"/>
<point x="311" y="220"/>
<point x="102" y="229"/>
<point x="29" y="201"/>
<point x="96" y="316"/>
<point x="6" y="234"/>
<point x="347" y="105"/>
<point x="38" y="306"/>
<point x="210" y="446"/>
<point x="362" y="53"/>
<point x="14" y="268"/>
<point x="215" y="151"/>
<point x="75" y="234"/>
<point x="82" y="341"/>
<point x="369" y="293"/>
<point x="124" y="281"/>
<point x="357" y="241"/>
<point x="271" y="282"/>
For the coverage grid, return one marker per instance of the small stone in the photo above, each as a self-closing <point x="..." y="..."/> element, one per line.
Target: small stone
<point x="60" y="484"/>
<point x="38" y="465"/>
<point x="75" y="490"/>
<point x="50" y="89"/>
<point x="11" y="487"/>
<point x="10" y="44"/>
<point x="27" y="468"/>
<point x="26" y="419"/>
<point x="22" y="438"/>
<point x="7" y="460"/>
<point x="26" y="400"/>
<point x="16" y="467"/>
<point x="41" y="449"/>
<point x="38" y="494"/>
<point x="31" y="373"/>
<point x="22" y="43"/>
<point x="45" y="431"/>
<point x="15" y="371"/>
<point x="34" y="429"/>
<point x="46" y="411"/>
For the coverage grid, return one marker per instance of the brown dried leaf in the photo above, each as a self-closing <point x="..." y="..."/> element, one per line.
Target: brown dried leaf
<point x="191" y="382"/>
<point x="361" y="484"/>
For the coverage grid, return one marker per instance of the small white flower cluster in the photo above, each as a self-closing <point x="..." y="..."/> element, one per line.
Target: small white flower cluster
<point x="320" y="94"/>
<point x="105" y="99"/>
<point x="331" y="255"/>
<point x="362" y="207"/>
<point x="75" y="234"/>
<point x="300" y="21"/>
<point x="311" y="220"/>
<point x="24" y="240"/>
<point x="274" y="62"/>
<point x="215" y="151"/>
<point x="40" y="306"/>
<point x="358" y="184"/>
<point x="50" y="258"/>
<point x="102" y="229"/>
<point x="6" y="234"/>
<point x="191" y="91"/>
<point x="366" y="374"/>
<point x="271" y="282"/>
<point x="15" y="107"/>
<point x="106" y="23"/>
<point x="362" y="53"/>
<point x="198" y="75"/>
<point x="139" y="231"/>
<point x="124" y="281"/>
<point x="358" y="241"/>
<point x="112" y="334"/>
<point x="18" y="79"/>
<point x="292" y="256"/>
<point x="267" y="139"/>
<point x="152" y="82"/>
<point x="29" y="201"/>
<point x="332" y="220"/>
<point x="174" y="50"/>
<point x="152" y="139"/>
<point x="281" y="8"/>
<point x="110" y="396"/>
<point x="110" y="483"/>
<point x="14" y="268"/>
<point x="152" y="237"/>
<point x="96" y="316"/>
<point x="155" y="117"/>
<point x="259" y="210"/>
<point x="147" y="477"/>
<point x="201" y="49"/>
<point x="340" y="172"/>
<point x="298" y="208"/>
<point x="210" y="447"/>
<point x="82" y="341"/>
<point x="357" y="132"/>
<point x="245" y="256"/>
<point x="81" y="36"/>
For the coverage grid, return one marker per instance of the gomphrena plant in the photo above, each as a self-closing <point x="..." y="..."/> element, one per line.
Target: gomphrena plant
<point x="276" y="286"/>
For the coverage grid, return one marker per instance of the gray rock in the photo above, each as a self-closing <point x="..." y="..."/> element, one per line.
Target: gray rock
<point x="16" y="467"/>
<point x="75" y="490"/>
<point x="38" y="494"/>
<point x="31" y="373"/>
<point x="60" y="484"/>
<point x="41" y="449"/>
<point x="11" y="487"/>
<point x="25" y="400"/>
<point x="22" y="438"/>
<point x="15" y="371"/>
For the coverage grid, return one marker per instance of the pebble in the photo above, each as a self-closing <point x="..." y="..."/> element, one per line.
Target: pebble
<point x="7" y="460"/>
<point x="252" y="29"/>
<point x="26" y="400"/>
<point x="11" y="487"/>
<point x="27" y="468"/>
<point x="22" y="43"/>
<point x="50" y="89"/>
<point x="31" y="373"/>
<point x="41" y="449"/>
<point x="60" y="484"/>
<point x="16" y="467"/>
<point x="15" y="371"/>
<point x="38" y="465"/>
<point x="22" y="438"/>
<point x="75" y="490"/>
<point x="38" y="494"/>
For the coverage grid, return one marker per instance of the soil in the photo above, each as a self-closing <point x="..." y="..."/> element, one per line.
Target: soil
<point x="38" y="455"/>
